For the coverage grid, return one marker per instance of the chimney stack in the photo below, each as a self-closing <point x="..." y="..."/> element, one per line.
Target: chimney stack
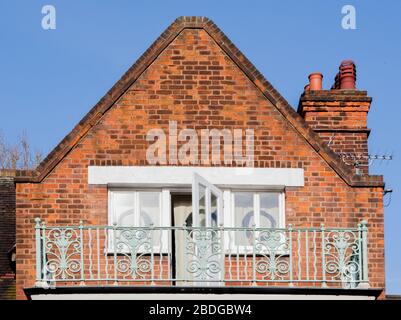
<point x="339" y="115"/>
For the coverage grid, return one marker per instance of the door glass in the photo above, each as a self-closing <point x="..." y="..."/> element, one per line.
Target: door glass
<point x="213" y="210"/>
<point x="202" y="206"/>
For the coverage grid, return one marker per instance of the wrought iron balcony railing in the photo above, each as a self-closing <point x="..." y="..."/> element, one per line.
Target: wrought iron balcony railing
<point x="101" y="255"/>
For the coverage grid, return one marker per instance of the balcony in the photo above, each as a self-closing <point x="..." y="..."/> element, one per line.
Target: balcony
<point x="197" y="256"/>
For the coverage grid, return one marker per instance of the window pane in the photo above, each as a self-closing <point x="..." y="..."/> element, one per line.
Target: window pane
<point x="124" y="208"/>
<point x="149" y="213"/>
<point x="269" y="210"/>
<point x="202" y="206"/>
<point x="244" y="216"/>
<point x="149" y="208"/>
<point x="213" y="210"/>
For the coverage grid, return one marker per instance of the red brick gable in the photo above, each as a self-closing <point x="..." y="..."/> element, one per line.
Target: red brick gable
<point x="194" y="76"/>
<point x="132" y="75"/>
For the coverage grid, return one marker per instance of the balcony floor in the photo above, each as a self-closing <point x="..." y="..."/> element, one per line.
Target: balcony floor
<point x="200" y="293"/>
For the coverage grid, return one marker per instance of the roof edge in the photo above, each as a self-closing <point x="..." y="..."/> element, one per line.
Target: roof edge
<point x="16" y="173"/>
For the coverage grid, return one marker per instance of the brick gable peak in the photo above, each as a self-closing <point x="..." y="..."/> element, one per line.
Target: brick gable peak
<point x="122" y="85"/>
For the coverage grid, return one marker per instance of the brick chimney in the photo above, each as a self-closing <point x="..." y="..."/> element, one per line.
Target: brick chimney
<point x="339" y="117"/>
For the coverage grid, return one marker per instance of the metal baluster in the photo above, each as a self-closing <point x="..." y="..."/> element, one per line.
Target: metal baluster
<point x="238" y="262"/>
<point x="186" y="237"/>
<point x="160" y="254"/>
<point x="324" y="284"/>
<point x="314" y="256"/>
<point x="44" y="269"/>
<point x="246" y="263"/>
<point x="106" y="251"/>
<point x="360" y="273"/>
<point x="98" y="253"/>
<point x="222" y="251"/>
<point x="39" y="253"/>
<point x="152" y="262"/>
<point x="364" y="230"/>
<point x="90" y="252"/>
<point x="254" y="256"/>
<point x="299" y="255"/>
<point x="81" y="238"/>
<point x="115" y="253"/>
<point x="291" y="284"/>
<point x="230" y="236"/>
<point x="307" y="254"/>
<point x="169" y="252"/>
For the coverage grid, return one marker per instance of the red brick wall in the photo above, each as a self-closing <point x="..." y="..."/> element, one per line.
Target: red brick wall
<point x="194" y="83"/>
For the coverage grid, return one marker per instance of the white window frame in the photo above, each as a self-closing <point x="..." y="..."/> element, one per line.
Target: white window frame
<point x="229" y="216"/>
<point x="164" y="216"/>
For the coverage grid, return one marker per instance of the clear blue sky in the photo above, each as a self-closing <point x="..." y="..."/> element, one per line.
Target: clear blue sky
<point x="50" y="79"/>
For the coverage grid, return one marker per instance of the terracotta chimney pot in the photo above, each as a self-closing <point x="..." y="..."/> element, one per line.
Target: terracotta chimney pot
<point x="315" y="81"/>
<point x="347" y="75"/>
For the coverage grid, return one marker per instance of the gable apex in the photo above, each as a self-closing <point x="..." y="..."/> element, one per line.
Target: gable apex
<point x="133" y="73"/>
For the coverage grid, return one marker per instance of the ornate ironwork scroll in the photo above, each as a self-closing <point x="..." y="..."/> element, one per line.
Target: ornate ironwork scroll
<point x="204" y="249"/>
<point x="133" y="246"/>
<point x="272" y="247"/>
<point x="62" y="248"/>
<point x="342" y="256"/>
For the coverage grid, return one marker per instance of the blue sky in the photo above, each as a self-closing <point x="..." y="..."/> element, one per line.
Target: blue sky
<point x="50" y="79"/>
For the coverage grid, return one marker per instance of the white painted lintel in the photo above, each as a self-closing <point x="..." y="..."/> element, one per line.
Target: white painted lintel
<point x="175" y="176"/>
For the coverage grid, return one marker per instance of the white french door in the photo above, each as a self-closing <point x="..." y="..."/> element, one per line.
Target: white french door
<point x="207" y="203"/>
<point x="205" y="243"/>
